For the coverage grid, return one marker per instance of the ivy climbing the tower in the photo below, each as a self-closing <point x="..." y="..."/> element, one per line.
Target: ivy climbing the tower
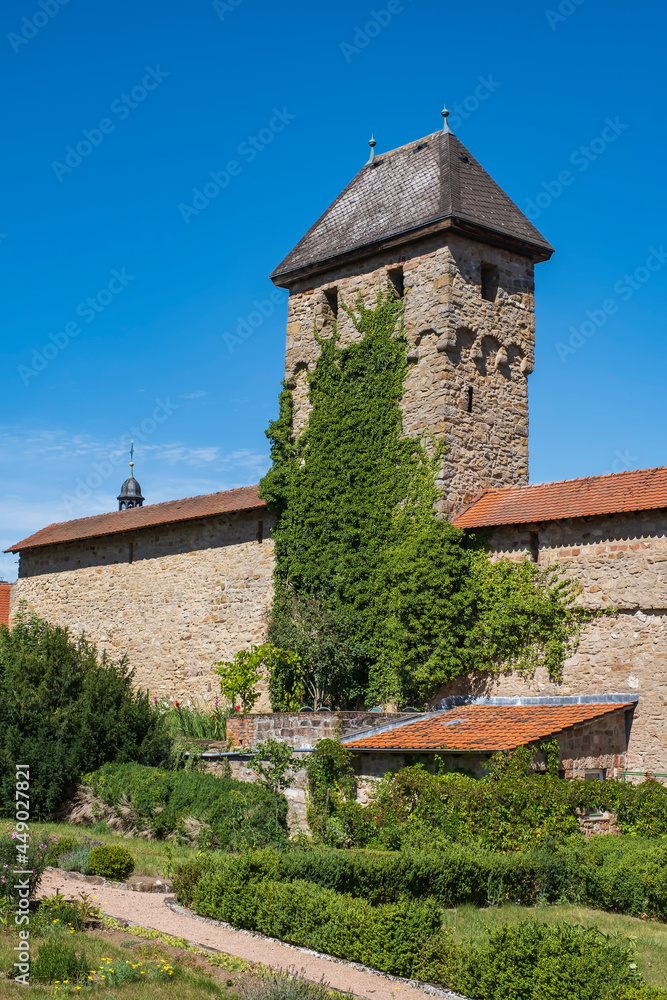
<point x="382" y="599"/>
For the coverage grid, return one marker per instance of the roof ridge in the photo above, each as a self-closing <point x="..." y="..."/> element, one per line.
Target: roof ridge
<point x="151" y="506"/>
<point x="630" y="491"/>
<point x="236" y="500"/>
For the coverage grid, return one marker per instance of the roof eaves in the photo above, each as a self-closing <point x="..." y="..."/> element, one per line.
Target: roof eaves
<point x="457" y="224"/>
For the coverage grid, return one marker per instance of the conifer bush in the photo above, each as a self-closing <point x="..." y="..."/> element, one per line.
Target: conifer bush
<point x="64" y="711"/>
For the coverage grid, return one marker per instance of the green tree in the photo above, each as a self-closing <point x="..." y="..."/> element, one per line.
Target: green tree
<point x="274" y="763"/>
<point x="331" y="783"/>
<point x="322" y="640"/>
<point x="240" y="676"/>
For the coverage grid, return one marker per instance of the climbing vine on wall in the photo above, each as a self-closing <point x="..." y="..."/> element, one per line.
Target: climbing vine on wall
<point x="383" y="600"/>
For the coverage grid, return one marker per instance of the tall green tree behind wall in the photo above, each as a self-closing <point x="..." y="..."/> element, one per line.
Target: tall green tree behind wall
<point x="382" y="599"/>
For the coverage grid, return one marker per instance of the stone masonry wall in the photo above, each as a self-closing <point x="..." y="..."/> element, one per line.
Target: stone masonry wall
<point x="302" y="729"/>
<point x="621" y="564"/>
<point x="464" y="351"/>
<point x="175" y="598"/>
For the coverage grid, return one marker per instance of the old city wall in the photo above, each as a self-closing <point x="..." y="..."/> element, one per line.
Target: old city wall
<point x="470" y="357"/>
<point x="621" y="563"/>
<point x="175" y="598"/>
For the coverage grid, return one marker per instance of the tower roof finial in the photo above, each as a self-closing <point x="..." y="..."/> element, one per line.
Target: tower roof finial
<point x="445" y="127"/>
<point x="132" y="459"/>
<point x="372" y="143"/>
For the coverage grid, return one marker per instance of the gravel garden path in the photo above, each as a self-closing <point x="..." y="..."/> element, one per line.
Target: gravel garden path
<point x="150" y="909"/>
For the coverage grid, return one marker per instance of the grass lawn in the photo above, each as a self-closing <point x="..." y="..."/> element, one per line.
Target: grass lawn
<point x="468" y="922"/>
<point x="151" y="856"/>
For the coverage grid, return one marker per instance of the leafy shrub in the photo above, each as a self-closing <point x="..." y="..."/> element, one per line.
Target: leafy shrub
<point x="232" y="814"/>
<point x="58" y="909"/>
<point x="534" y="961"/>
<point x="111" y="861"/>
<point x="57" y="961"/>
<point x="415" y="808"/>
<point x="625" y="874"/>
<point x="76" y="860"/>
<point x="33" y="859"/>
<point x="59" y="846"/>
<point x="389" y="937"/>
<point x="64" y="711"/>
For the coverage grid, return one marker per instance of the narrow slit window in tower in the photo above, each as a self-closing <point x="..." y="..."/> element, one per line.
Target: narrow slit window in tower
<point x="489" y="282"/>
<point x="131" y="559"/>
<point x="469" y="404"/>
<point x="331" y="295"/>
<point x="397" y="281"/>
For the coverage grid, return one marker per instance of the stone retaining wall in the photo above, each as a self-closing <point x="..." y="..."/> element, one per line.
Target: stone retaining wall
<point x="302" y="729"/>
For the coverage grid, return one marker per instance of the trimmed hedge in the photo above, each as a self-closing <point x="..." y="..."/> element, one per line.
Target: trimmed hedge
<point x="623" y="874"/>
<point x="111" y="861"/>
<point x="528" y="961"/>
<point x="233" y="814"/>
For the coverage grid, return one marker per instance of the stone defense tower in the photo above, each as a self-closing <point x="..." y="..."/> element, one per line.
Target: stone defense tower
<point x="427" y="220"/>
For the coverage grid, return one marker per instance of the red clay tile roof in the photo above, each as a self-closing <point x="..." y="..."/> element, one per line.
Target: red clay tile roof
<point x="4" y="602"/>
<point x="227" y="502"/>
<point x="645" y="489"/>
<point x="483" y="727"/>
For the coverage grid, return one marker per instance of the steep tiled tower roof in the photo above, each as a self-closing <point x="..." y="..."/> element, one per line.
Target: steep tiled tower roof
<point x="429" y="185"/>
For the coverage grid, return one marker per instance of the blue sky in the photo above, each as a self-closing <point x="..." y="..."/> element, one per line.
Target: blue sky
<point x="116" y="298"/>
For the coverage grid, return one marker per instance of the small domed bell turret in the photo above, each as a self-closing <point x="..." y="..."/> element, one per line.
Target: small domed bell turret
<point x="130" y="492"/>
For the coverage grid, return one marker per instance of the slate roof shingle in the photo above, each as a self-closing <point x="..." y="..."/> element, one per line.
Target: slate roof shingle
<point x="409" y="188"/>
<point x="642" y="489"/>
<point x="483" y="727"/>
<point x="245" y="498"/>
